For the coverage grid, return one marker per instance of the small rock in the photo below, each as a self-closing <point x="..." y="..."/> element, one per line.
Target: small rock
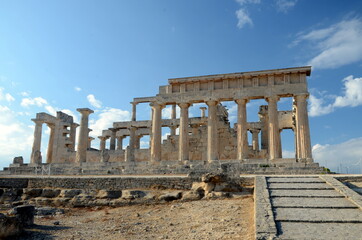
<point x="56" y="223"/>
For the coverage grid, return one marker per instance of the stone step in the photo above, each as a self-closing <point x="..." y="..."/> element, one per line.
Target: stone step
<point x="300" y="202"/>
<point x="300" y="186"/>
<point x="305" y="193"/>
<point x="330" y="231"/>
<point x="318" y="215"/>
<point x="295" y="180"/>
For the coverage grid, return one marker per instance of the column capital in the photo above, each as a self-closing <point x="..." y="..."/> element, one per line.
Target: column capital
<point x="37" y="121"/>
<point x="103" y="138"/>
<point x="50" y="125"/>
<point x="211" y="102"/>
<point x="273" y="98"/>
<point x="157" y="105"/>
<point x="242" y="101"/>
<point x="184" y="105"/>
<point x="301" y="97"/>
<point x="133" y="103"/>
<point x="254" y="130"/>
<point x="74" y="125"/>
<point x="85" y="111"/>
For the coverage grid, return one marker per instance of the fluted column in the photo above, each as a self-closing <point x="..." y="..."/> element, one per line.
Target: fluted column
<point x="132" y="143"/>
<point x="50" y="143"/>
<point x="112" y="144"/>
<point x="173" y="116"/>
<point x="120" y="142"/>
<point x="156" y="132"/>
<point x="81" y="155"/>
<point x="134" y="109"/>
<point x="212" y="136"/>
<point x="102" y="143"/>
<point x="242" y="135"/>
<point x="35" y="153"/>
<point x="302" y="124"/>
<point x="255" y="138"/>
<point x="203" y="111"/>
<point x="273" y="128"/>
<point x="184" y="132"/>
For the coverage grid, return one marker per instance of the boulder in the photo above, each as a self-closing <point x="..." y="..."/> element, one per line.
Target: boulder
<point x="133" y="194"/>
<point x="191" y="196"/>
<point x="214" y="178"/>
<point x="69" y="193"/>
<point x="32" y="193"/>
<point x="50" y="193"/>
<point x="48" y="211"/>
<point x="109" y="194"/>
<point x="9" y="226"/>
<point x="24" y="213"/>
<point x="170" y="196"/>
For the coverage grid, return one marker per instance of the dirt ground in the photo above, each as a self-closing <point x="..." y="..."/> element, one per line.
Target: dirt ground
<point x="204" y="219"/>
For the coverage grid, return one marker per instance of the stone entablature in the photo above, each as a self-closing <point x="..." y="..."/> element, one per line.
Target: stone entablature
<point x="207" y="138"/>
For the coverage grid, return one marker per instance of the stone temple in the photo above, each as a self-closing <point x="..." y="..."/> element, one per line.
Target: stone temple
<point x="202" y="144"/>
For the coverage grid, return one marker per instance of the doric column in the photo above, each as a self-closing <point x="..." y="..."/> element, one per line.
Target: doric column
<point x="156" y="132"/>
<point x="102" y="143"/>
<point x="173" y="111"/>
<point x="203" y="111"/>
<point x="255" y="138"/>
<point x="302" y="125"/>
<point x="50" y="143"/>
<point x="81" y="155"/>
<point x="73" y="131"/>
<point x="138" y="141"/>
<point x="134" y="111"/>
<point x="90" y="139"/>
<point x="112" y="144"/>
<point x="120" y="142"/>
<point x="35" y="153"/>
<point x="212" y="136"/>
<point x="183" y="153"/>
<point x="273" y="128"/>
<point x="242" y="134"/>
<point x="263" y="116"/>
<point x="132" y="143"/>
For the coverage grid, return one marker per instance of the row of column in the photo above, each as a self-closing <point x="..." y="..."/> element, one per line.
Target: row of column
<point x="274" y="143"/>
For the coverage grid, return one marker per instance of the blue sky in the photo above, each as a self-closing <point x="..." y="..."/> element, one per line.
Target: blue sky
<point x="61" y="55"/>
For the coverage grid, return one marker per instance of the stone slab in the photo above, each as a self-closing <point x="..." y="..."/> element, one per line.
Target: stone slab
<point x="318" y="215"/>
<point x="330" y="231"/>
<point x="295" y="180"/>
<point x="299" y="186"/>
<point x="311" y="202"/>
<point x="304" y="193"/>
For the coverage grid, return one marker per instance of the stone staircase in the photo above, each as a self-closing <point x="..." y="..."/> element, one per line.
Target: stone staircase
<point x="307" y="207"/>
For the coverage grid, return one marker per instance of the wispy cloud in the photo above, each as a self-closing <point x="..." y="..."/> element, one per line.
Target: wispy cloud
<point x="93" y="101"/>
<point x="351" y="97"/>
<point x="78" y="89"/>
<point x="38" y="101"/>
<point x="242" y="14"/>
<point x="6" y="96"/>
<point x="336" y="45"/>
<point x="285" y="5"/>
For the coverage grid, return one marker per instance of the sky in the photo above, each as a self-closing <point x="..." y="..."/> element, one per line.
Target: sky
<point x="68" y="54"/>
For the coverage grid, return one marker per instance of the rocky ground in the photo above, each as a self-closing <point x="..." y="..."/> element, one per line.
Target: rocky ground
<point x="203" y="219"/>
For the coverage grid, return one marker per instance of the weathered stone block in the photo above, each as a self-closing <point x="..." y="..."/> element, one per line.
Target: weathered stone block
<point x="25" y="214"/>
<point x="109" y="194"/>
<point x="170" y="196"/>
<point x="50" y="193"/>
<point x="132" y="194"/>
<point x="9" y="226"/>
<point x="69" y="193"/>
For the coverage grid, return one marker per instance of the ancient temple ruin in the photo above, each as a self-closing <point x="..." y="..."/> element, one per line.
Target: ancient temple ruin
<point x="201" y="142"/>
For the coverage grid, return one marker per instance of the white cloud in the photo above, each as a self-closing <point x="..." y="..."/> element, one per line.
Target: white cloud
<point x="166" y="112"/>
<point x="38" y="101"/>
<point x="13" y="132"/>
<point x="93" y="101"/>
<point x="243" y="18"/>
<point x="352" y="97"/>
<point x="6" y="96"/>
<point x="78" y="89"/>
<point x="242" y="14"/>
<point x="345" y="154"/>
<point x="106" y="118"/>
<point x="352" y="92"/>
<point x="335" y="46"/>
<point x="9" y="98"/>
<point x="285" y="5"/>
<point x="288" y="154"/>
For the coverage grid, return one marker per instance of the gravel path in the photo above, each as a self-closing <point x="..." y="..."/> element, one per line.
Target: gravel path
<point x="204" y="219"/>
